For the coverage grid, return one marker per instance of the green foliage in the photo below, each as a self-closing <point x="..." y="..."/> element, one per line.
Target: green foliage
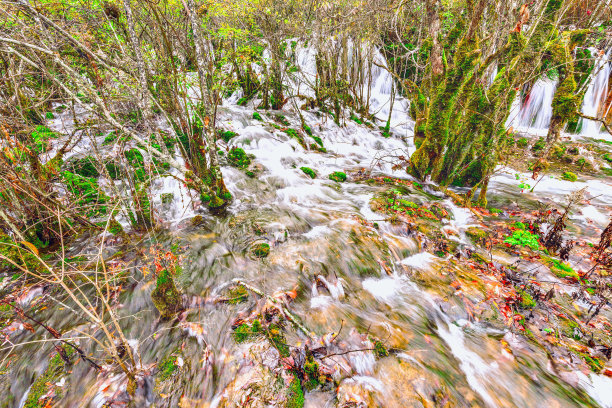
<point x="237" y="294"/>
<point x="167" y="198"/>
<point x="308" y="131"/>
<point x="237" y="157"/>
<point x="309" y="172"/>
<point x="355" y="119"/>
<point x="17" y="254"/>
<point x="338" y="176"/>
<point x="569" y="176"/>
<point x="86" y="192"/>
<point x="246" y="331"/>
<point x="257" y="116"/>
<point x="85" y="166"/>
<point x="522" y="142"/>
<point x="41" y="136"/>
<point x="226" y="135"/>
<point x="539" y="145"/>
<point x="524" y="238"/>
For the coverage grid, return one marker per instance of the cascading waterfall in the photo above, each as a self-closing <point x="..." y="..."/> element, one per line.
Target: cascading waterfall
<point x="534" y="113"/>
<point x="596" y="95"/>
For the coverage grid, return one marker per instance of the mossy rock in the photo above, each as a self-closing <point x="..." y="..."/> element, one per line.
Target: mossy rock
<point x="40" y="387"/>
<point x="227" y="135"/>
<point x="569" y="176"/>
<point x="338" y="176"/>
<point x="295" y="395"/>
<point x="166" y="297"/>
<point x="309" y="172"/>
<point x="260" y="250"/>
<point x="476" y="234"/>
<point x="237" y="157"/>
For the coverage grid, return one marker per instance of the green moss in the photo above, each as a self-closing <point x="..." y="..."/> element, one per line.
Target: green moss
<point x="476" y="234"/>
<point x="355" y="119"/>
<point x="237" y="157"/>
<point x="49" y="115"/>
<point x="569" y="176"/>
<point x="86" y="193"/>
<point x="114" y="227"/>
<point x="295" y="395"/>
<point x="41" y="136"/>
<point x="114" y="170"/>
<point x="237" y="294"/>
<point x="260" y="250"/>
<point x="308" y="131"/>
<point x="607" y="157"/>
<point x="167" y="368"/>
<point x="165" y="296"/>
<point x="539" y="145"/>
<point x="309" y="172"/>
<point x="17" y="254"/>
<point x="245" y="331"/>
<point x="54" y="372"/>
<point x="338" y="176"/>
<point x="523" y="238"/>
<point x="318" y="140"/>
<point x="562" y="270"/>
<point x="257" y="116"/>
<point x="519" y="225"/>
<point x="277" y="339"/>
<point x="110" y="139"/>
<point x="527" y="301"/>
<point x="227" y="135"/>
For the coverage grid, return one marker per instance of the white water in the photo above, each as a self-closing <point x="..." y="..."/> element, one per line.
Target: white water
<point x="532" y="114"/>
<point x="535" y="111"/>
<point x="596" y="95"/>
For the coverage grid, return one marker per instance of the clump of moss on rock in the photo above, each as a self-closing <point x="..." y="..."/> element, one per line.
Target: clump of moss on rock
<point x="237" y="157"/>
<point x="257" y="116"/>
<point x="166" y="297"/>
<point x="40" y="386"/>
<point x="569" y="176"/>
<point x="261" y="250"/>
<point x="338" y="176"/>
<point x="309" y="172"/>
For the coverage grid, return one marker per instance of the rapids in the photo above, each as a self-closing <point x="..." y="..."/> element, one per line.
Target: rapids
<point x="377" y="279"/>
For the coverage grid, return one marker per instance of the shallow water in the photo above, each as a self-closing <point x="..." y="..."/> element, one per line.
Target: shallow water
<point x="375" y="279"/>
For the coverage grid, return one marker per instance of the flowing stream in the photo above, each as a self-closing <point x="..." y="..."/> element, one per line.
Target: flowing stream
<point x="377" y="279"/>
